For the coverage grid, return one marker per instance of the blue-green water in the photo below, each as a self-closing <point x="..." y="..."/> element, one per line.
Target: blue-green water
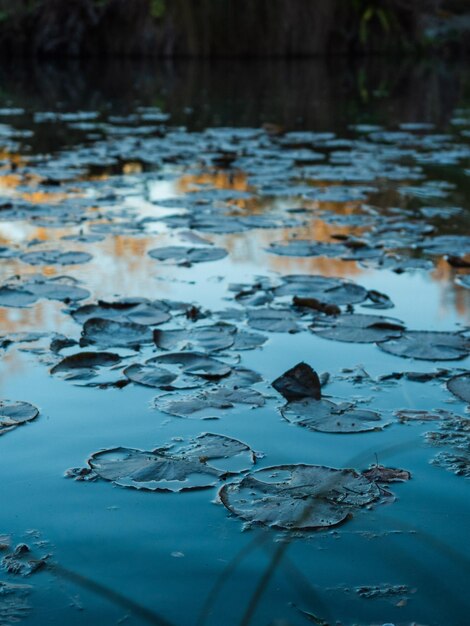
<point x="167" y="551"/>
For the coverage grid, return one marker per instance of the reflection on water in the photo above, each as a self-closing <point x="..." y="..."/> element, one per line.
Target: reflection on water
<point x="77" y="184"/>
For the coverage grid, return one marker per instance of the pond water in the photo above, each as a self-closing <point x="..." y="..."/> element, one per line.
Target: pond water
<point x="240" y="180"/>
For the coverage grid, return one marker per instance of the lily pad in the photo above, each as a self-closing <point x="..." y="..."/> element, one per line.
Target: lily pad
<point x="273" y="320"/>
<point x="174" y="469"/>
<point x="460" y="386"/>
<point x="55" y="257"/>
<point x="62" y="288"/>
<point x="219" y="336"/>
<point x="357" y="328"/>
<point x="139" y="310"/>
<point x="197" y="404"/>
<point x="16" y="297"/>
<point x="301" y="381"/>
<point x="12" y="414"/>
<point x="328" y="290"/>
<point x="187" y="256"/>
<point x="328" y="417"/>
<point x="178" y="370"/>
<point x="109" y="333"/>
<point x="428" y="346"/>
<point x="306" y="248"/>
<point x="304" y="497"/>
<point x="85" y="366"/>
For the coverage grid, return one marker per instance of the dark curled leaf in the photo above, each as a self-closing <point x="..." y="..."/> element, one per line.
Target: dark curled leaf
<point x="460" y="386"/>
<point x="381" y="474"/>
<point x="12" y="414"/>
<point x="325" y="416"/>
<point x="357" y="328"/>
<point x="301" y="381"/>
<point x="305" y="497"/>
<point x="429" y="346"/>
<point x="316" y="305"/>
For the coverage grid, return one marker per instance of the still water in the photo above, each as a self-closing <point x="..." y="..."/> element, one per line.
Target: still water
<point x="356" y="172"/>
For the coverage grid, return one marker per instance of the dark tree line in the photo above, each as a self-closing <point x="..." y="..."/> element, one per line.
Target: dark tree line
<point x="238" y="28"/>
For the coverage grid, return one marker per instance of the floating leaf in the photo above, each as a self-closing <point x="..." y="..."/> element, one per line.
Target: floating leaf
<point x="328" y="290"/>
<point x="55" y="257"/>
<point x="84" y="366"/>
<point x="357" y="328"/>
<point x="328" y="417"/>
<point x="12" y="414"/>
<point x="219" y="336"/>
<point x="460" y="386"/>
<point x="427" y="345"/>
<point x="179" y="370"/>
<point x="301" y="381"/>
<point x="220" y="398"/>
<point x="273" y="320"/>
<point x="110" y="333"/>
<point x="181" y="468"/>
<point x="305" y="497"/>
<point x="187" y="256"/>
<point x="139" y="310"/>
<point x="306" y="248"/>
